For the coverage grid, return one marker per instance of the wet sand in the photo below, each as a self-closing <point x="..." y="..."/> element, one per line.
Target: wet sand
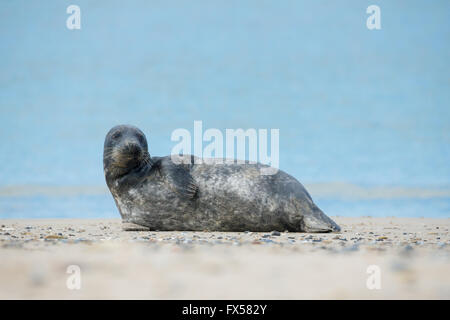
<point x="409" y="256"/>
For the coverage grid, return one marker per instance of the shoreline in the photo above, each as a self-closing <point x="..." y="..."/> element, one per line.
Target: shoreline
<point x="412" y="254"/>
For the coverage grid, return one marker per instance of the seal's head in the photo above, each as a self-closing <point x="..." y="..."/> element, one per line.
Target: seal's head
<point x="125" y="149"/>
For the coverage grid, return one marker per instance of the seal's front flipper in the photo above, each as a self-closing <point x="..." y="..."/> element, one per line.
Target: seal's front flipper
<point x="179" y="178"/>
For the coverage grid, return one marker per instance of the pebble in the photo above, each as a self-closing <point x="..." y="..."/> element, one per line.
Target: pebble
<point x="410" y="242"/>
<point x="54" y="237"/>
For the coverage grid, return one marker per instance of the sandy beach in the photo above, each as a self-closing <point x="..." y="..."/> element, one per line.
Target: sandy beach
<point x="372" y="258"/>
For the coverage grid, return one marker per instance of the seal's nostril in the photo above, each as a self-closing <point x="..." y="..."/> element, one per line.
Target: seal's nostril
<point x="134" y="149"/>
<point x="131" y="148"/>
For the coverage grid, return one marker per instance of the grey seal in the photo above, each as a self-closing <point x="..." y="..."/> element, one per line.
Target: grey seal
<point x="157" y="193"/>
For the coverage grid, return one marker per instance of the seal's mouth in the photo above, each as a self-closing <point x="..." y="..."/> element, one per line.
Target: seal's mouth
<point x="126" y="156"/>
<point x="129" y="155"/>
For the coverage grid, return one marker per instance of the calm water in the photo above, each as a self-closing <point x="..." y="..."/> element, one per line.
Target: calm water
<point x="368" y="109"/>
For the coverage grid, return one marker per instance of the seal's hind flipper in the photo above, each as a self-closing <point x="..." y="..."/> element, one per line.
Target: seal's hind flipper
<point x="179" y="178"/>
<point x="129" y="226"/>
<point x="317" y="221"/>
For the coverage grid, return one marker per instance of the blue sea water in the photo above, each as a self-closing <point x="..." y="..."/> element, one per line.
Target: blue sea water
<point x="367" y="108"/>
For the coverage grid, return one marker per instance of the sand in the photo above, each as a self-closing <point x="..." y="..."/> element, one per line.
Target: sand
<point x="372" y="258"/>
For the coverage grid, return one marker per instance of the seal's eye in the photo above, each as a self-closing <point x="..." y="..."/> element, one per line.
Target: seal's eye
<point x="140" y="138"/>
<point x="116" y="135"/>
